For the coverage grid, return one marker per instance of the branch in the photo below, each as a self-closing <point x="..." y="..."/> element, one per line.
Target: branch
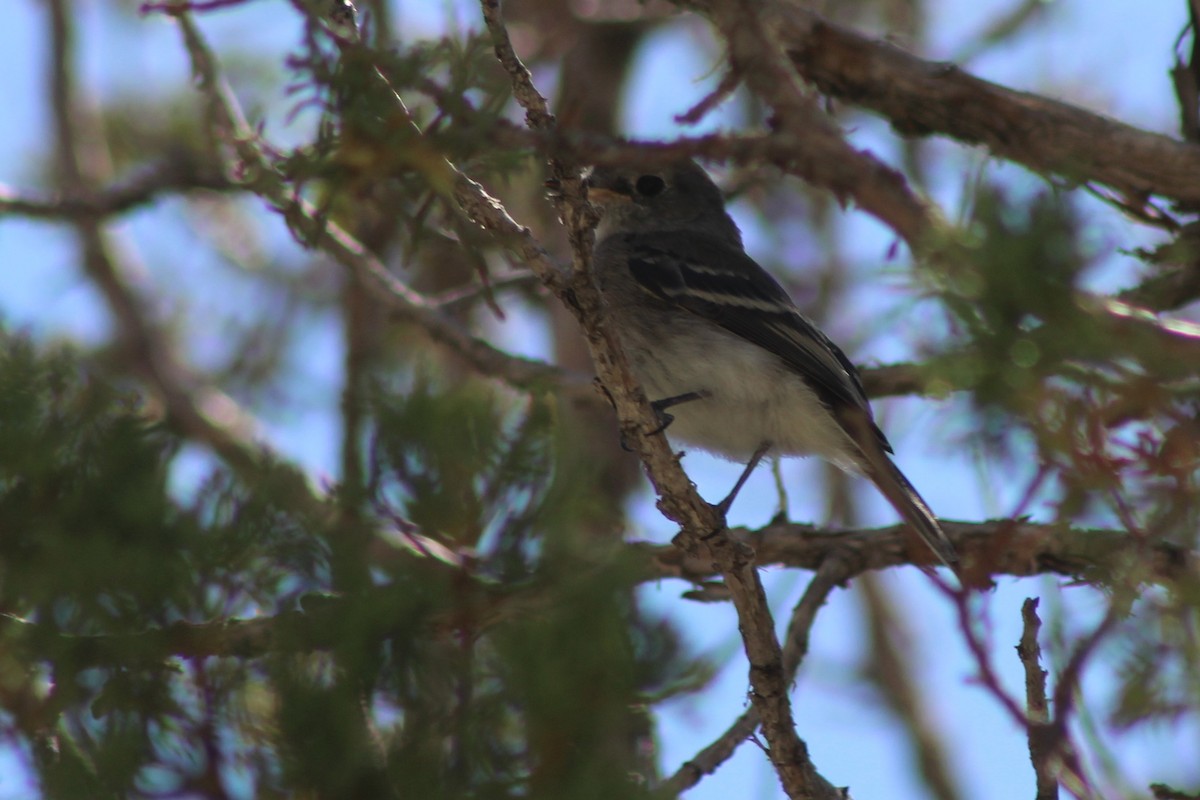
<point x="703" y="531"/>
<point x="921" y="98"/>
<point x="835" y="558"/>
<point x="820" y="155"/>
<point x="179" y="174"/>
<point x="1036" y="708"/>
<point x="998" y="547"/>
<point x="201" y="411"/>
<point x="833" y="572"/>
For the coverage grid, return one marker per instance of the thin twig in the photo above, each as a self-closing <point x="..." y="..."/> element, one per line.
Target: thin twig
<point x="177" y="6"/>
<point x="537" y="110"/>
<point x="730" y="81"/>
<point x="1036" y="707"/>
<point x="149" y="185"/>
<point x="458" y="299"/>
<point x="983" y="659"/>
<point x="834" y="571"/>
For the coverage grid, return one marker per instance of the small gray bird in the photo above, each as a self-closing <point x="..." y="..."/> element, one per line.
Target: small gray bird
<point x="713" y="336"/>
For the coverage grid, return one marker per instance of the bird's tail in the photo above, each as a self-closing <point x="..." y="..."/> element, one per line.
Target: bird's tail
<point x="895" y="487"/>
<point x="911" y="506"/>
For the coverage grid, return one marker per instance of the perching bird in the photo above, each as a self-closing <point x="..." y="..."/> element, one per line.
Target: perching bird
<point x="713" y="337"/>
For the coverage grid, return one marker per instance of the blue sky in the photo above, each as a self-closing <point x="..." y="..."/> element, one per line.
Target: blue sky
<point x="1070" y="52"/>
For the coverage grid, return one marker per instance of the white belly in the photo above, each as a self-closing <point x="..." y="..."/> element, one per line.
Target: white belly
<point x="751" y="398"/>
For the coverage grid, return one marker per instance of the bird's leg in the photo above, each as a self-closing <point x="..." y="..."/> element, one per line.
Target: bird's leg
<point x="660" y="411"/>
<point x="660" y="408"/>
<point x="724" y="505"/>
<point x="781" y="514"/>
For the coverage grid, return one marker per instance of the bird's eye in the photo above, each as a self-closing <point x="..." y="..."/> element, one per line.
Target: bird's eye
<point x="650" y="185"/>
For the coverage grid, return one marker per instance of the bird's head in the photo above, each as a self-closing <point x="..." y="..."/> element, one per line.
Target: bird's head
<point x="660" y="197"/>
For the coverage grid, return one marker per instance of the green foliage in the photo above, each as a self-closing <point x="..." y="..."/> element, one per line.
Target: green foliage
<point x="450" y="454"/>
<point x="1011" y="293"/>
<point x="456" y="94"/>
<point x="151" y="644"/>
<point x="1159" y="661"/>
<point x="83" y="477"/>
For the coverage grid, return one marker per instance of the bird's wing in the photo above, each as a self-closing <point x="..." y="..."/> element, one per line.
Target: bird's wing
<point x="724" y="285"/>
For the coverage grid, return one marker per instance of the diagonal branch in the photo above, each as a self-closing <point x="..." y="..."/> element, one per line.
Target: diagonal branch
<point x="833" y="572"/>
<point x="821" y="155"/>
<point x="703" y="530"/>
<point x="921" y="97"/>
<point x="200" y="410"/>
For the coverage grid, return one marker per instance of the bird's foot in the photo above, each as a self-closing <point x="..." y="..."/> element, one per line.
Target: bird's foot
<point x="663" y="416"/>
<point x="660" y="408"/>
<point x="723" y="506"/>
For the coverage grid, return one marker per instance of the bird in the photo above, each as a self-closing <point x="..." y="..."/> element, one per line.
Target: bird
<point x="713" y="337"/>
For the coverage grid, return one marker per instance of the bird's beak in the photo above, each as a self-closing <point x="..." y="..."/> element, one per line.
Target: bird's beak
<point x="600" y="196"/>
<point x="606" y="188"/>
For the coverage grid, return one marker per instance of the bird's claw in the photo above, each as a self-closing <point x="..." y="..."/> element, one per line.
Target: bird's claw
<point x="664" y="420"/>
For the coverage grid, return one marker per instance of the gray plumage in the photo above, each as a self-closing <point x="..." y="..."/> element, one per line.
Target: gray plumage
<point x="698" y="315"/>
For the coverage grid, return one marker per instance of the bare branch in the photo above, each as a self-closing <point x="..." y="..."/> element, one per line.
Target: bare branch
<point x="999" y="547"/>
<point x="537" y="110"/>
<point x="921" y="97"/>
<point x="1036" y="707"/>
<point x="821" y="155"/>
<point x="171" y="176"/>
<point x="703" y="531"/>
<point x="834" y="571"/>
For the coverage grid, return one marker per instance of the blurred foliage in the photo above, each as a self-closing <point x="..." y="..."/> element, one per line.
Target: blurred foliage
<point x="1011" y="294"/>
<point x="452" y="624"/>
<point x="520" y="673"/>
<point x="1044" y="368"/>
<point x="1108" y="434"/>
<point x="454" y="91"/>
